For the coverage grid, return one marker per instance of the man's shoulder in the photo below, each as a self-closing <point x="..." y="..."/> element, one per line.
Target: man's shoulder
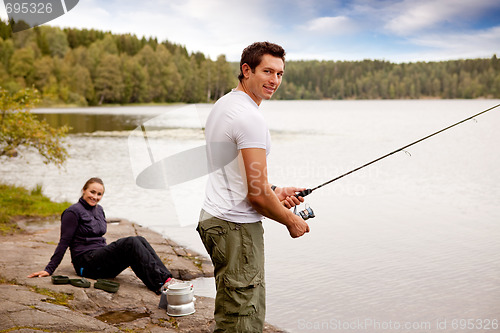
<point x="233" y="110"/>
<point x="235" y="98"/>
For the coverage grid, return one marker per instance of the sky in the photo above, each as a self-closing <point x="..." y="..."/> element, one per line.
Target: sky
<point x="391" y="30"/>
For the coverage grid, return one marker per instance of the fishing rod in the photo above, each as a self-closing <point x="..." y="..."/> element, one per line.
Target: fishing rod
<point x="308" y="213"/>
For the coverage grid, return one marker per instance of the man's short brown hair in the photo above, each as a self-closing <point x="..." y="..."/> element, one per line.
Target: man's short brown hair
<point x="252" y="55"/>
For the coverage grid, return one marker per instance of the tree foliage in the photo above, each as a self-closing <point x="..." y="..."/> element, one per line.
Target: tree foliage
<point x="374" y="79"/>
<point x="90" y="67"/>
<point x="19" y="128"/>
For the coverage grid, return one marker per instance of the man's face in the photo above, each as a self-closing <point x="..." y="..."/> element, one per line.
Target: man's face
<point x="265" y="80"/>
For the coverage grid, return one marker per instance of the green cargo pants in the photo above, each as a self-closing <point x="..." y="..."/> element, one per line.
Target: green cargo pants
<point x="237" y="253"/>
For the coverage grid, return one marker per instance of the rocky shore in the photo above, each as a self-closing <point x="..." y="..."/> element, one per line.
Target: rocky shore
<point x="34" y="305"/>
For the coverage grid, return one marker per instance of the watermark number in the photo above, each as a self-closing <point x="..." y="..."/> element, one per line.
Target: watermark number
<point x="28" y="7"/>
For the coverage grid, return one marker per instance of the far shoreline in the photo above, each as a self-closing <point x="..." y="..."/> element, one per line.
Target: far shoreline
<point x="160" y="104"/>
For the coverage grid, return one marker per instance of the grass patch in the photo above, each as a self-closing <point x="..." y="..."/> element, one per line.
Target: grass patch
<point x="54" y="296"/>
<point x="18" y="201"/>
<point x="173" y="322"/>
<point x="196" y="261"/>
<point x="5" y="281"/>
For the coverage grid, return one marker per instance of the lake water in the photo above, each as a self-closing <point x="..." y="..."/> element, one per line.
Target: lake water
<point x="408" y="244"/>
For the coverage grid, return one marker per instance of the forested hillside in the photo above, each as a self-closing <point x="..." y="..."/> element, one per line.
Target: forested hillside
<point x="89" y="67"/>
<point x="374" y="79"/>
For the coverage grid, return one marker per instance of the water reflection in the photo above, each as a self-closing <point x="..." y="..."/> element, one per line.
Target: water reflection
<point x="88" y="123"/>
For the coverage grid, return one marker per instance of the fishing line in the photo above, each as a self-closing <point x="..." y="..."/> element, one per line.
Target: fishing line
<point x="308" y="191"/>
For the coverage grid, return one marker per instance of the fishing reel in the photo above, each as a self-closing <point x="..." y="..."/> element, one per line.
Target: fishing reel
<point x="305" y="214"/>
<point x="308" y="212"/>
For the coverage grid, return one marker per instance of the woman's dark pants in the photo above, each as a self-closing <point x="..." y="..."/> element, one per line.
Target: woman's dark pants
<point x="112" y="259"/>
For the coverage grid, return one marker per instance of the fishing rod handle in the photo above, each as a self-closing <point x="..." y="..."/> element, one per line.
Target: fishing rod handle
<point x="303" y="193"/>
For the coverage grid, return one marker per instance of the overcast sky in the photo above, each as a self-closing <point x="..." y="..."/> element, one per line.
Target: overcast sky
<point x="393" y="30"/>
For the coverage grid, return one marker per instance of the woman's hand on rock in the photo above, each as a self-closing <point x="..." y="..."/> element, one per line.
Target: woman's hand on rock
<point x="39" y="274"/>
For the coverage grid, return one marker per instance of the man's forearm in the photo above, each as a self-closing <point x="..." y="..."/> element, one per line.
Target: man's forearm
<point x="268" y="204"/>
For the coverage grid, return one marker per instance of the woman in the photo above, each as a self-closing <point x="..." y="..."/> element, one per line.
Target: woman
<point x="82" y="228"/>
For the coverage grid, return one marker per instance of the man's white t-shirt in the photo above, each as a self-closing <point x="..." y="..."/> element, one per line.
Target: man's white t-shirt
<point x="234" y="123"/>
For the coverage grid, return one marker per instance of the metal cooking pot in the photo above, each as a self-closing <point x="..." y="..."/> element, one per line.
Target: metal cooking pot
<point x="180" y="294"/>
<point x="180" y="310"/>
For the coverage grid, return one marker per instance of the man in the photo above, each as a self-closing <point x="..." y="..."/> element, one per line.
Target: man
<point x="238" y="194"/>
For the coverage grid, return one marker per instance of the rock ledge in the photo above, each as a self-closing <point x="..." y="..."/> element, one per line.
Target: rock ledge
<point x="34" y="305"/>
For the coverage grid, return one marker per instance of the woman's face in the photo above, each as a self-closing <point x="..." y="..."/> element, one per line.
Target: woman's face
<point x="93" y="194"/>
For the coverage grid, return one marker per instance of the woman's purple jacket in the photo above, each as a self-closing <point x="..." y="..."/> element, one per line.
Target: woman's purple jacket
<point x="82" y="229"/>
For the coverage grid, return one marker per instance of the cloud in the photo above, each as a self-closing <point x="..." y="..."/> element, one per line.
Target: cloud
<point x="337" y="25"/>
<point x="395" y="30"/>
<point x="410" y="17"/>
<point x="476" y="44"/>
<point x="215" y="27"/>
<point x="3" y="12"/>
<point x="219" y="26"/>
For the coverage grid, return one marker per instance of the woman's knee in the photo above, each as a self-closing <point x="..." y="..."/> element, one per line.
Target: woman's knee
<point x="128" y="243"/>
<point x="141" y="239"/>
<point x="137" y="242"/>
